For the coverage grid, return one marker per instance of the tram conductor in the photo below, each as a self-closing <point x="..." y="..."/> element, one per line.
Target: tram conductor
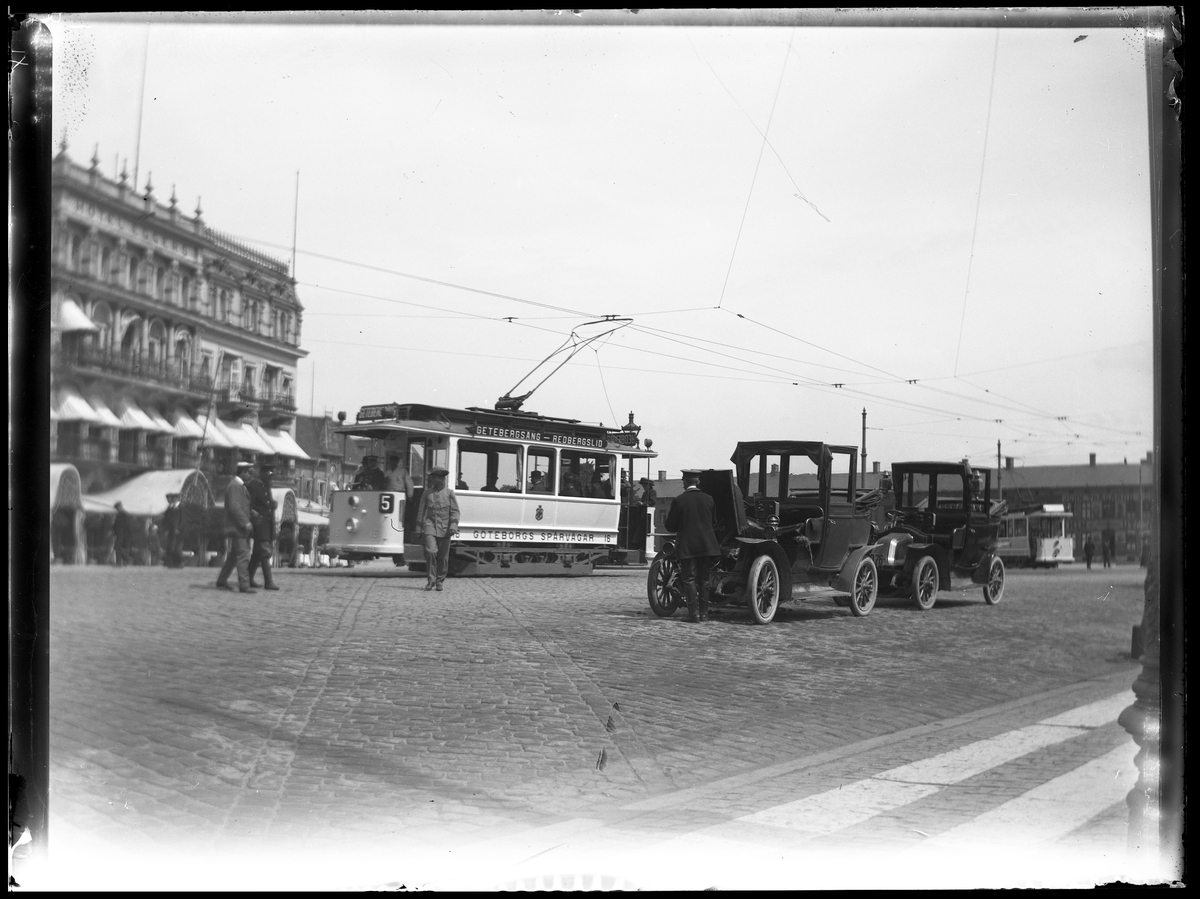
<point x="437" y="522"/>
<point x="691" y="518"/>
<point x="372" y="476"/>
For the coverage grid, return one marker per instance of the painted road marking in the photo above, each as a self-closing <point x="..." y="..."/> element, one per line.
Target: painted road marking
<point x="853" y="803"/>
<point x="1052" y="810"/>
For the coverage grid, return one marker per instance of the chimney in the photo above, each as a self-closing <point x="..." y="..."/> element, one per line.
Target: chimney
<point x="874" y="468"/>
<point x="1092" y="459"/>
<point x="1008" y="463"/>
<point x="1149" y="457"/>
<point x="662" y="476"/>
<point x="774" y="468"/>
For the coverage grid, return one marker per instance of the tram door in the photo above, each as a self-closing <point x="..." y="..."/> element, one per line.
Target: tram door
<point x="424" y="455"/>
<point x="540" y="510"/>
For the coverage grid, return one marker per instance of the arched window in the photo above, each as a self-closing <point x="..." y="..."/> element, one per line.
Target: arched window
<point x="131" y="342"/>
<point x="102" y="318"/>
<point x="75" y="252"/>
<point x="156" y="346"/>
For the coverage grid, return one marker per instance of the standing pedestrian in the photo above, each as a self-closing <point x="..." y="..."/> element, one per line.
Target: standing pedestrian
<point x="1106" y="553"/>
<point x="691" y="519"/>
<point x="1089" y="550"/>
<point x="122" y="530"/>
<point x="173" y="554"/>
<point x="437" y="522"/>
<point x="239" y="531"/>
<point x="262" y="519"/>
<point x="396" y="476"/>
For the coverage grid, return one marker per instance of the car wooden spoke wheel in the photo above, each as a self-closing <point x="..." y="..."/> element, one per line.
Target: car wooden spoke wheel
<point x="865" y="587"/>
<point x="993" y="588"/>
<point x="663" y="588"/>
<point x="762" y="589"/>
<point x="925" y="583"/>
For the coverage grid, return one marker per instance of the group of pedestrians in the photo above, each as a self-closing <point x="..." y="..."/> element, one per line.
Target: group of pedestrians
<point x="164" y="542"/>
<point x="250" y="527"/>
<point x="1108" y="550"/>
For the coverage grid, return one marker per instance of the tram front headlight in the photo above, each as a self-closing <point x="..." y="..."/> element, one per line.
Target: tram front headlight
<point x="351" y="525"/>
<point x="353" y="500"/>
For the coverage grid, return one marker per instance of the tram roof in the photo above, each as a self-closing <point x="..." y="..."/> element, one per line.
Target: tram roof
<point x="524" y="427"/>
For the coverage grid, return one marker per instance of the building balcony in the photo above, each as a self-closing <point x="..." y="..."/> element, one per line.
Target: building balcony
<point x="276" y="407"/>
<point x="235" y="399"/>
<point x="87" y="360"/>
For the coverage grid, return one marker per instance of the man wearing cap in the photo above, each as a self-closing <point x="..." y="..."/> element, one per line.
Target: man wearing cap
<point x="691" y="519"/>
<point x="173" y="556"/>
<point x="262" y="518"/>
<point x="371" y="477"/>
<point x="437" y="522"/>
<point x="239" y="529"/>
<point x="123" y="536"/>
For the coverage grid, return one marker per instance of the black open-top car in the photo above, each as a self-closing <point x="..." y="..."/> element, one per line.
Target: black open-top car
<point x="943" y="524"/>
<point x="786" y="530"/>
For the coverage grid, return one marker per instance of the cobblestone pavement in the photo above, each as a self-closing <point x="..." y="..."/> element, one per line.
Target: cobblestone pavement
<point x="353" y="730"/>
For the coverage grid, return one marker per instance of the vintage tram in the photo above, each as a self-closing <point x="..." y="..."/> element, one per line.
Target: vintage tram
<point x="1037" y="537"/>
<point x="537" y="495"/>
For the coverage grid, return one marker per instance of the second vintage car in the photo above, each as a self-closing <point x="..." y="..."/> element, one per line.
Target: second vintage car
<point x="786" y="531"/>
<point x="943" y="524"/>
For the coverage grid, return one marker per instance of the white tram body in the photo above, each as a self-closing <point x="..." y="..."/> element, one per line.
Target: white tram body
<point x="536" y="495"/>
<point x="1036" y="537"/>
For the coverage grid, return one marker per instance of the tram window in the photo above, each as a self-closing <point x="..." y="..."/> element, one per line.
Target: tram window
<point x="490" y="467"/>
<point x="585" y="474"/>
<point x="541" y="471"/>
<point x="1020" y="528"/>
<point x="416" y="462"/>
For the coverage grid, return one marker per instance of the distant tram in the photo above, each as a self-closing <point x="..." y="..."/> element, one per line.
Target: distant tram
<point x="537" y="495"/>
<point x="1036" y="537"/>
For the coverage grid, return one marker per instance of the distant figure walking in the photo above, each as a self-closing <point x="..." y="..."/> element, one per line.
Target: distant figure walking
<point x="1106" y="553"/>
<point x="262" y="520"/>
<point x="1089" y="550"/>
<point x="691" y="519"/>
<point x="171" y="527"/>
<point x="239" y="529"/>
<point x="122" y="536"/>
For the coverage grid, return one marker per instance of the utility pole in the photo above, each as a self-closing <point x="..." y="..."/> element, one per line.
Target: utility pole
<point x="862" y="475"/>
<point x="999" y="475"/>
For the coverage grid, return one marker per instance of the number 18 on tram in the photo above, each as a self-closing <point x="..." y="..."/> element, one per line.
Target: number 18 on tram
<point x="536" y="495"/>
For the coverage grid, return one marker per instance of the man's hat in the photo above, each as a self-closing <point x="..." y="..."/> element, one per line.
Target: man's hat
<point x="242" y="465"/>
<point x="691" y="472"/>
<point x="643" y="480"/>
<point x="439" y="471"/>
<point x="370" y="458"/>
<point x="171" y="496"/>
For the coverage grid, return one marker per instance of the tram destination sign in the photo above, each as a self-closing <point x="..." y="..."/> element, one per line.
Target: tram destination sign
<point x="384" y="412"/>
<point x="535" y="435"/>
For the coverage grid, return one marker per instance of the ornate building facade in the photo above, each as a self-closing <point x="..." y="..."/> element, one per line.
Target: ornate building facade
<point x="173" y="345"/>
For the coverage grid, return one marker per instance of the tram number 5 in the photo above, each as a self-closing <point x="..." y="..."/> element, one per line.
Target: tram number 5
<point x="387" y="503"/>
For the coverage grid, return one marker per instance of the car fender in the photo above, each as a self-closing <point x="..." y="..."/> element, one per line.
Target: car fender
<point x="980" y="574"/>
<point x="844" y="582"/>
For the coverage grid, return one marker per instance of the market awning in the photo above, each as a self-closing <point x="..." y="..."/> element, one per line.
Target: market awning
<point x="97" y="507"/>
<point x="72" y="407"/>
<point x="104" y="414"/>
<point x="311" y="519"/>
<point x="146" y="494"/>
<point x="283" y="444"/>
<point x="213" y="432"/>
<point x="186" y="426"/>
<point x="72" y="318"/>
<point x="65" y="492"/>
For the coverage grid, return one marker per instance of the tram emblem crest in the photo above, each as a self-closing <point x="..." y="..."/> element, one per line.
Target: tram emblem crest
<point x="539" y="513"/>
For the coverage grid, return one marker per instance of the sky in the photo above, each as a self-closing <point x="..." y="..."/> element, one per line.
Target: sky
<point x="946" y="227"/>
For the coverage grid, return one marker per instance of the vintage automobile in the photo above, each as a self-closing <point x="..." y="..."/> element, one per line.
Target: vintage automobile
<point x="786" y="532"/>
<point x="943" y="524"/>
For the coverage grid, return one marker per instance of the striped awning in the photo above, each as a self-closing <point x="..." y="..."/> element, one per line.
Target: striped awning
<point x="186" y="426"/>
<point x="134" y="419"/>
<point x="214" y="433"/>
<point x="246" y="437"/>
<point x="72" y="318"/>
<point x="160" y="422"/>
<point x="104" y="414"/>
<point x="283" y="444"/>
<point x="70" y="406"/>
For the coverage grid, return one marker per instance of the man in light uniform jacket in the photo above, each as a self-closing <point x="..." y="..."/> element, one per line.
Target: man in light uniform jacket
<point x="437" y="522"/>
<point x="238" y="529"/>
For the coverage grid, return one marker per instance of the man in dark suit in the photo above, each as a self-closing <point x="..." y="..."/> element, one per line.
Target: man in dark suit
<point x="262" y="517"/>
<point x="691" y="518"/>
<point x="239" y="530"/>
